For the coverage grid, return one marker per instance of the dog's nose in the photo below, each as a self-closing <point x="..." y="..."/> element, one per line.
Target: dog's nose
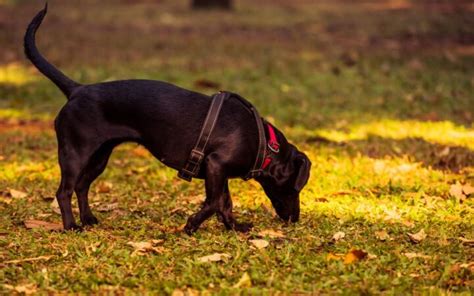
<point x="294" y="218"/>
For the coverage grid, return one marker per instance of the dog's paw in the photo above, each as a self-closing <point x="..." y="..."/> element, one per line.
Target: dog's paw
<point x="74" y="227"/>
<point x="190" y="229"/>
<point x="243" y="227"/>
<point x="89" y="220"/>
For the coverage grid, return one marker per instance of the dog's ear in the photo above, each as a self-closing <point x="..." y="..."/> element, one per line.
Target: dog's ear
<point x="303" y="166"/>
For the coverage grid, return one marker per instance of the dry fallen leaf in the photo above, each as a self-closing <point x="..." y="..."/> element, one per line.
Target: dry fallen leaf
<point x="444" y="152"/>
<point x="461" y="192"/>
<point x="107" y="207"/>
<point x="354" y="255"/>
<point x="457" y="267"/>
<point x="244" y="281"/>
<point x="416" y="255"/>
<point x="408" y="223"/>
<point x="343" y="192"/>
<point x="104" y="187"/>
<point x="371" y="256"/>
<point x="456" y="191"/>
<point x="141" y="248"/>
<point x="92" y="248"/>
<point x="466" y="241"/>
<point x="55" y="207"/>
<point x="32" y="224"/>
<point x="204" y="83"/>
<point x="17" y="194"/>
<point x="379" y="167"/>
<point x="467" y="189"/>
<point x="26" y="289"/>
<point x="176" y="229"/>
<point x="259" y="243"/>
<point x="5" y="199"/>
<point x="177" y="292"/>
<point x="382" y="235"/>
<point x="140" y="151"/>
<point x="214" y="257"/>
<point x="186" y="292"/>
<point x="417" y="237"/>
<point x="338" y="236"/>
<point x="40" y="258"/>
<point x="392" y="215"/>
<point x="469" y="266"/>
<point x="271" y="233"/>
<point x="48" y="197"/>
<point x="332" y="256"/>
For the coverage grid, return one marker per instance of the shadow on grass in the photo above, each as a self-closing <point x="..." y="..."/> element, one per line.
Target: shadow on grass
<point x="442" y="157"/>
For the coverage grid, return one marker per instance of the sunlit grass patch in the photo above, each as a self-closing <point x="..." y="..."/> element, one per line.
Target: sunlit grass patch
<point x="444" y="132"/>
<point x="356" y="194"/>
<point x="10" y="113"/>
<point x="360" y="172"/>
<point x="350" y="187"/>
<point x="31" y="171"/>
<point x="16" y="74"/>
<point x="13" y="115"/>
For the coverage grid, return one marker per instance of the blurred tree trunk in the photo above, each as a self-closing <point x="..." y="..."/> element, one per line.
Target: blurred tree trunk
<point x="203" y="4"/>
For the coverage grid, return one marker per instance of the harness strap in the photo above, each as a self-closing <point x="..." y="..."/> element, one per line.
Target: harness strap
<point x="273" y="147"/>
<point x="259" y="160"/>
<point x="191" y="168"/>
<point x="263" y="158"/>
<point x="259" y="164"/>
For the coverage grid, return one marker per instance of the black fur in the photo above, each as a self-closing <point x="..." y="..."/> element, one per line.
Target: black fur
<point x="166" y="120"/>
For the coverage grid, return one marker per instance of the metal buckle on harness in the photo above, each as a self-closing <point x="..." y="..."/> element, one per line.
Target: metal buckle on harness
<point x="275" y="147"/>
<point x="196" y="157"/>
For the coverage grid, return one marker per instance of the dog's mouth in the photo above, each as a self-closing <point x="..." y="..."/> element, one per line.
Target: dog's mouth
<point x="289" y="209"/>
<point x="293" y="217"/>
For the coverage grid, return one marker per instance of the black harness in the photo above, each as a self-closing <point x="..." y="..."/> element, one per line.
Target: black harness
<point x="192" y="166"/>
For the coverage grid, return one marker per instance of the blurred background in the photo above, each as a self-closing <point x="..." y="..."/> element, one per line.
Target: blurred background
<point x="308" y="63"/>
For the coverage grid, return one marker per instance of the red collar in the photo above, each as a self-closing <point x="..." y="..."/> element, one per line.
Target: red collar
<point x="272" y="145"/>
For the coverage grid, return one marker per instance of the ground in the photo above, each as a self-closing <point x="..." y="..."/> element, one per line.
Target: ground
<point x="378" y="94"/>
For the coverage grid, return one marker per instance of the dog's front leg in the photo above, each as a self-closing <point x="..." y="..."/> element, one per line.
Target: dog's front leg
<point x="214" y="183"/>
<point x="217" y="199"/>
<point x="225" y="213"/>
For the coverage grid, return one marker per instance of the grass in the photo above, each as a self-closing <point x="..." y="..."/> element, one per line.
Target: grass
<point x="379" y="95"/>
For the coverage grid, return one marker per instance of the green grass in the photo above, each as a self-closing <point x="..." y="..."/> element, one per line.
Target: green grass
<point x="379" y="96"/>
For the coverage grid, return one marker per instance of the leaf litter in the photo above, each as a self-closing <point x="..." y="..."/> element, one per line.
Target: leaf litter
<point x="417" y="237"/>
<point x="144" y="247"/>
<point x="35" y="224"/>
<point x="352" y="256"/>
<point x="259" y="243"/>
<point x="271" y="233"/>
<point x="338" y="236"/>
<point x="216" y="257"/>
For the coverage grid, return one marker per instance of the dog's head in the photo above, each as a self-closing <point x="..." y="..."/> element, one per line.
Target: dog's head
<point x="284" y="179"/>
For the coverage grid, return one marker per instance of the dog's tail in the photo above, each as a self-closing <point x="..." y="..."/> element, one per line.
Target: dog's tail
<point x="65" y="84"/>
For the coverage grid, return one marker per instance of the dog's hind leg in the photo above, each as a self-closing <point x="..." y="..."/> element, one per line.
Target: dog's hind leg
<point x="95" y="166"/>
<point x="71" y="164"/>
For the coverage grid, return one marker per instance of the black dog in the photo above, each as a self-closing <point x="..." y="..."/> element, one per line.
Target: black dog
<point x="166" y="120"/>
